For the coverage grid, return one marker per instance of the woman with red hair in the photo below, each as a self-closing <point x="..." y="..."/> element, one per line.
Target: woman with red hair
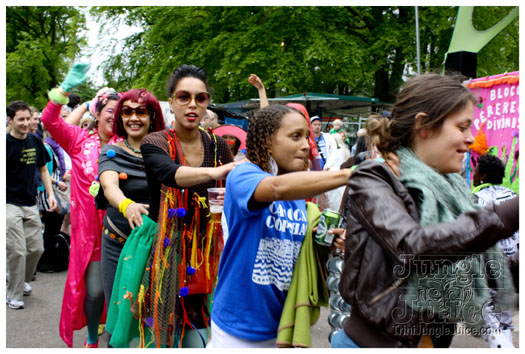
<point x="121" y="175"/>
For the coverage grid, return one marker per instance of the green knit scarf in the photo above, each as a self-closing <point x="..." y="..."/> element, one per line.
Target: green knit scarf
<point x="457" y="290"/>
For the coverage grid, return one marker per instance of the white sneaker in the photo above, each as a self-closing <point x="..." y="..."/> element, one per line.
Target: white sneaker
<point x="15" y="304"/>
<point x="508" y="333"/>
<point x="27" y="288"/>
<point x="499" y="340"/>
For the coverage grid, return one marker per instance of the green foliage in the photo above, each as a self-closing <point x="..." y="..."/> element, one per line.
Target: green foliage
<point x="354" y="50"/>
<point x="502" y="53"/>
<point x="41" y="44"/>
<point x="293" y="49"/>
<point x="436" y="28"/>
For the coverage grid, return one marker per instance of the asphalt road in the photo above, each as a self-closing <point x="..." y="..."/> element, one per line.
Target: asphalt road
<point x="36" y="326"/>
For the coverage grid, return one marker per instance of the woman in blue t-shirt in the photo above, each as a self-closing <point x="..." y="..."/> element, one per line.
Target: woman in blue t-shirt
<point x="265" y="212"/>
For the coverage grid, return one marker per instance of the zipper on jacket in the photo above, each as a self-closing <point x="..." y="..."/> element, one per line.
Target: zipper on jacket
<point x="381" y="295"/>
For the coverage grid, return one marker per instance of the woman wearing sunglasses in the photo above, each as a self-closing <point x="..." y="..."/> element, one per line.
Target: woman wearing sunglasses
<point x="121" y="175"/>
<point x="83" y="302"/>
<point x="191" y="236"/>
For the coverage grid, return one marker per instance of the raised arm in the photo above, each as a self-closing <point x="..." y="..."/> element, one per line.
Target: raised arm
<point x="76" y="115"/>
<point x="62" y="132"/>
<point x="258" y="84"/>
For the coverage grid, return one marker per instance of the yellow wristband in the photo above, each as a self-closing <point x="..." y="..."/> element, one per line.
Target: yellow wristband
<point x="123" y="205"/>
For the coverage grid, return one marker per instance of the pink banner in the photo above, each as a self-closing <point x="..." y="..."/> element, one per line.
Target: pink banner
<point x="496" y="123"/>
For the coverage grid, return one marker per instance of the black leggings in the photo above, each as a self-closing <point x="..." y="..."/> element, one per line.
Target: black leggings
<point x="94" y="302"/>
<point x="52" y="223"/>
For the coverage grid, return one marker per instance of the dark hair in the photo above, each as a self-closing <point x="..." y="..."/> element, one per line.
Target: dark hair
<point x="361" y="144"/>
<point x="434" y="95"/>
<point x="139" y="96"/>
<point x="492" y="168"/>
<point x="74" y="100"/>
<point x="185" y="71"/>
<point x="262" y="127"/>
<point x="16" y="106"/>
<point x="236" y="145"/>
<point x="103" y="100"/>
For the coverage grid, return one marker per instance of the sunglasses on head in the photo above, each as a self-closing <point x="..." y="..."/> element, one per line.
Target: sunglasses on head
<point x="183" y="98"/>
<point x="140" y="112"/>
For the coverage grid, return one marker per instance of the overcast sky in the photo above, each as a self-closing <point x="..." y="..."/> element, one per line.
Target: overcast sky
<point x="95" y="54"/>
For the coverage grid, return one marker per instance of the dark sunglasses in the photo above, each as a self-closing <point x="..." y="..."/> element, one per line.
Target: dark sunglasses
<point x="140" y="112"/>
<point x="183" y="98"/>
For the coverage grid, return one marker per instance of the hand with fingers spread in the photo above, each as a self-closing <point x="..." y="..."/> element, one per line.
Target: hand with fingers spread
<point x="220" y="172"/>
<point x="76" y="76"/>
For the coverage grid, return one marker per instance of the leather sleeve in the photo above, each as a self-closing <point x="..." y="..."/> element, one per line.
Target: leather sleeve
<point x="383" y="206"/>
<point x="508" y="212"/>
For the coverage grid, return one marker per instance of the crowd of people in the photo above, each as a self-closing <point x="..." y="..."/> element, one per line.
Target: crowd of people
<point x="110" y="172"/>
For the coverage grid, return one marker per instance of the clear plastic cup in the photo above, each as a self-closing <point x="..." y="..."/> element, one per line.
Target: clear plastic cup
<point x="216" y="199"/>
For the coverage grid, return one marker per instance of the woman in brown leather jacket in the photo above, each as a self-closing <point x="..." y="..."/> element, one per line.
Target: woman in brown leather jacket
<point x="412" y="238"/>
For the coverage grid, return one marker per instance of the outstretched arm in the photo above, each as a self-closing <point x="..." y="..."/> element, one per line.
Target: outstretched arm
<point x="159" y="164"/>
<point x="133" y="211"/>
<point x="299" y="185"/>
<point x="186" y="176"/>
<point x="391" y="224"/>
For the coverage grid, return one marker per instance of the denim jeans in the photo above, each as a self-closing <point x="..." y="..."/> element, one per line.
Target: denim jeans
<point x="341" y="340"/>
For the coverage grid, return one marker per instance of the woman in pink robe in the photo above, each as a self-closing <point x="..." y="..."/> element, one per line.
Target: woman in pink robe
<point x="78" y="309"/>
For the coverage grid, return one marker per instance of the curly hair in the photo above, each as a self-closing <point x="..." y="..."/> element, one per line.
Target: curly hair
<point x="185" y="71"/>
<point x="261" y="129"/>
<point x="432" y="94"/>
<point x="139" y="96"/>
<point x="492" y="168"/>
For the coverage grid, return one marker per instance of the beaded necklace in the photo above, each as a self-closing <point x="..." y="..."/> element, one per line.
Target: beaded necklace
<point x="131" y="147"/>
